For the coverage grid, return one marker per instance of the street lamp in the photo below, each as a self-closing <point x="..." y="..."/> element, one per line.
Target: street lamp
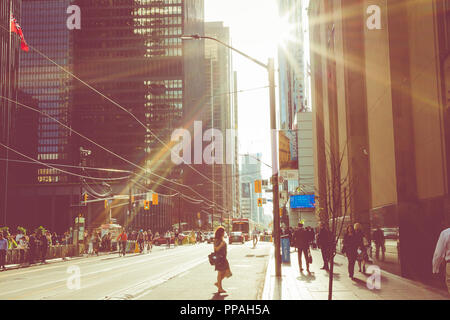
<point x="273" y="125"/>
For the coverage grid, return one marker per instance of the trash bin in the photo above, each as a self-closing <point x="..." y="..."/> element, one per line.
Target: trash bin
<point x="285" y="249"/>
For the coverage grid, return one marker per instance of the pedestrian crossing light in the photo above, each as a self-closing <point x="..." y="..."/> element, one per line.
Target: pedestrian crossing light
<point x="146" y="205"/>
<point x="155" y="199"/>
<point x="258" y="186"/>
<point x="260" y="202"/>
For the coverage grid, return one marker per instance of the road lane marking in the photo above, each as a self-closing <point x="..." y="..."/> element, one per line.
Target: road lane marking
<point x="131" y="263"/>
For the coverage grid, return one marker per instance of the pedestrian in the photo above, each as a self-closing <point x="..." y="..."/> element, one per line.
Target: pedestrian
<point x="140" y="241"/>
<point x="302" y="241"/>
<point x="176" y="237"/>
<point x="12" y="244"/>
<point x="167" y="235"/>
<point x="363" y="245"/>
<point x="43" y="246"/>
<point x="150" y="239"/>
<point x="3" y="248"/>
<point x="441" y="254"/>
<point x="122" y="239"/>
<point x="324" y="241"/>
<point x="255" y="237"/>
<point x="33" y="245"/>
<point x="350" y="248"/>
<point x="222" y="265"/>
<point x="378" y="237"/>
<point x="96" y="242"/>
<point x="54" y="239"/>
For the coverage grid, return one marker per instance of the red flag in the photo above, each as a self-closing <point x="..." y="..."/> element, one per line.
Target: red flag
<point x="15" y="28"/>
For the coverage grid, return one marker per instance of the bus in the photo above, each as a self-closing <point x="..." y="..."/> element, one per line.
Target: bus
<point x="243" y="225"/>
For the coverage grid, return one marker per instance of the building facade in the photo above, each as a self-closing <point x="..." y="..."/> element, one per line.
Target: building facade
<point x="380" y="97"/>
<point x="130" y="52"/>
<point x="9" y="80"/>
<point x="250" y="172"/>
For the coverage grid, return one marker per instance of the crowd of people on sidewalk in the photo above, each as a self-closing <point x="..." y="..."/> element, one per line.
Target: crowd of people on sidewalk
<point x="356" y="245"/>
<point x="33" y="247"/>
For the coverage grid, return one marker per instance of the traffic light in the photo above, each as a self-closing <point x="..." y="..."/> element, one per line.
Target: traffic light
<point x="281" y="212"/>
<point x="258" y="186"/>
<point x="198" y="215"/>
<point x="154" y="199"/>
<point x="106" y="204"/>
<point x="260" y="202"/>
<point x="132" y="198"/>
<point x="146" y="205"/>
<point x="85" y="197"/>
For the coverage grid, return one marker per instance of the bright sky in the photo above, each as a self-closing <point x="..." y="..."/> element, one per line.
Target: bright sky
<point x="255" y="29"/>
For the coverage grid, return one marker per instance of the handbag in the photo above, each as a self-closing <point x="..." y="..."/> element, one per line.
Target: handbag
<point x="212" y="258"/>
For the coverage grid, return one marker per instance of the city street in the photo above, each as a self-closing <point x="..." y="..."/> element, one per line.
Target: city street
<point x="164" y="274"/>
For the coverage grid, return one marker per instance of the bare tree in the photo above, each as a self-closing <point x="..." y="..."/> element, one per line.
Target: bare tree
<point x="334" y="204"/>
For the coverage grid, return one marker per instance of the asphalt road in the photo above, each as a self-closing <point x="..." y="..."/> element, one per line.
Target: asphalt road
<point x="136" y="276"/>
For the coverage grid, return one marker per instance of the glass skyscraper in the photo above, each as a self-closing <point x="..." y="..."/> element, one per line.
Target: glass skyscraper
<point x="44" y="24"/>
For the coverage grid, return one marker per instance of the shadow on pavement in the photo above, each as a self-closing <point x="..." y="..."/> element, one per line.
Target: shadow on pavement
<point x="308" y="277"/>
<point x="218" y="296"/>
<point x="336" y="276"/>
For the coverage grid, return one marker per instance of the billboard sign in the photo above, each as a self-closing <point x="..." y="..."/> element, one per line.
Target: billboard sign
<point x="302" y="201"/>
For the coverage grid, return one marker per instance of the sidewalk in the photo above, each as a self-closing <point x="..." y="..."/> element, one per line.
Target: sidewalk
<point x="296" y="286"/>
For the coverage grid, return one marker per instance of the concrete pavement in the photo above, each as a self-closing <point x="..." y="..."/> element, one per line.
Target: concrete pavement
<point x="181" y="273"/>
<point x="294" y="285"/>
<point x="248" y="266"/>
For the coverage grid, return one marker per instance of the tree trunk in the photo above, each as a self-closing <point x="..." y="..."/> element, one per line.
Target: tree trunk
<point x="330" y="282"/>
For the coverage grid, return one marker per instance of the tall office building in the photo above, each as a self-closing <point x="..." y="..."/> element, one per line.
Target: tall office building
<point x="380" y="102"/>
<point x="131" y="52"/>
<point x="9" y="70"/>
<point x="219" y="114"/>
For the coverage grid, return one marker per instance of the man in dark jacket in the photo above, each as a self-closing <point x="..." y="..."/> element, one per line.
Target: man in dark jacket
<point x="378" y="237"/>
<point x="302" y="238"/>
<point x="43" y="246"/>
<point x="324" y="240"/>
<point x="32" y="244"/>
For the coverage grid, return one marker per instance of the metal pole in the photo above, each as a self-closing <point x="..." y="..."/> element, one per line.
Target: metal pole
<point x="130" y="207"/>
<point x="273" y="127"/>
<point x="179" y="213"/>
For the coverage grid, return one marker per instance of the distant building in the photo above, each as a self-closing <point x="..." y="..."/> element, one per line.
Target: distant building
<point x="250" y="171"/>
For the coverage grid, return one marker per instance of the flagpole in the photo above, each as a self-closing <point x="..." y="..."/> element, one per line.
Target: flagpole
<point x="8" y="117"/>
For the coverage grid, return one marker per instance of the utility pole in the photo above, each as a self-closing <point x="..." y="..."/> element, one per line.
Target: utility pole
<point x="130" y="206"/>
<point x="270" y="67"/>
<point x="274" y="133"/>
<point x="179" y="213"/>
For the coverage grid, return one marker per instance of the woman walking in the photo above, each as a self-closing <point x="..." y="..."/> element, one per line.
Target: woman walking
<point x="363" y="245"/>
<point x="350" y="249"/>
<point x="221" y="266"/>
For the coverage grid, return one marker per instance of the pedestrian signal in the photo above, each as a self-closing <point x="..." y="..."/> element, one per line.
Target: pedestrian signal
<point x="258" y="186"/>
<point x="155" y="199"/>
<point x="260" y="202"/>
<point x="146" y="205"/>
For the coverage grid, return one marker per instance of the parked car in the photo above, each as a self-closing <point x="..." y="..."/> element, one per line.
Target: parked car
<point x="236" y="236"/>
<point x="209" y="237"/>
